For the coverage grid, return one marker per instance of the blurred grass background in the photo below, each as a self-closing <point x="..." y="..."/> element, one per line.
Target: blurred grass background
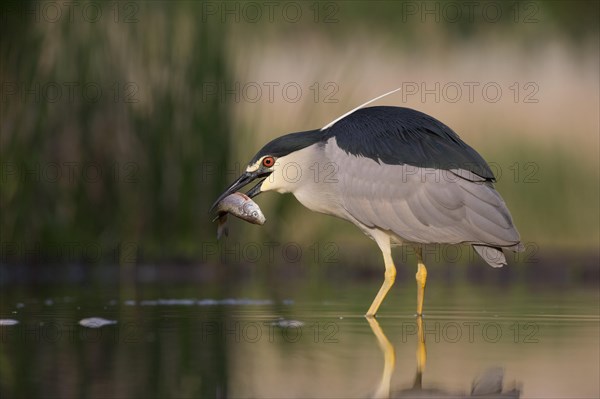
<point x="167" y="134"/>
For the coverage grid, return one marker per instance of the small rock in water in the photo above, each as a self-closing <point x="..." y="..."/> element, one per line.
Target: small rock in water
<point x="8" y="322"/>
<point x="283" y="323"/>
<point x="96" y="322"/>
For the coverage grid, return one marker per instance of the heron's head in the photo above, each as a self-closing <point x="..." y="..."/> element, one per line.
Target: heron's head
<point x="276" y="165"/>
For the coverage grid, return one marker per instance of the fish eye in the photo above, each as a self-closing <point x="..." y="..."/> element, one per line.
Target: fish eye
<point x="268" y="162"/>
<point x="255" y="214"/>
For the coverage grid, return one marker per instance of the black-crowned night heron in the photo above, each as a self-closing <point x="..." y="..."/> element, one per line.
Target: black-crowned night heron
<point x="401" y="176"/>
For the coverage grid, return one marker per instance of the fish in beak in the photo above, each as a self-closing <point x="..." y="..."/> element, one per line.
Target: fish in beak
<point x="245" y="179"/>
<point x="241" y="206"/>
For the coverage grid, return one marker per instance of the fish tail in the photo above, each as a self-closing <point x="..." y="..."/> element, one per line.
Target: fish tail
<point x="223" y="227"/>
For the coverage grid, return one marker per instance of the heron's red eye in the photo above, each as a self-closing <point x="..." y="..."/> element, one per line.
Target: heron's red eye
<point x="268" y="162"/>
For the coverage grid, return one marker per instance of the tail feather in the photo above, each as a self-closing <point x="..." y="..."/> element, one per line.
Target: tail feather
<point x="492" y="255"/>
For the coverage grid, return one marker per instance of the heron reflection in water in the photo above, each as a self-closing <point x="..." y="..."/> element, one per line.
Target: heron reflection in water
<point x="487" y="385"/>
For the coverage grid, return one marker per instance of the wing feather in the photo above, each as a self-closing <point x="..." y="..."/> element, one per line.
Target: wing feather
<point x="419" y="205"/>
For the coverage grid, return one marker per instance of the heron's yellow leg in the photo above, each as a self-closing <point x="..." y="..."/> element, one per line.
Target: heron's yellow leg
<point x="421" y="352"/>
<point x="389" y="359"/>
<point x="421" y="277"/>
<point x="390" y="275"/>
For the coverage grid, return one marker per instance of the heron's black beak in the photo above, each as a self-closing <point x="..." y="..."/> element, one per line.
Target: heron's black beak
<point x="245" y="179"/>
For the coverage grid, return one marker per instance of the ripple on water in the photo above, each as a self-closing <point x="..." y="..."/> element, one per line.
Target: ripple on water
<point x="204" y="302"/>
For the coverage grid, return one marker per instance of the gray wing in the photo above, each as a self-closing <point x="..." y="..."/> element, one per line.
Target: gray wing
<point x="423" y="205"/>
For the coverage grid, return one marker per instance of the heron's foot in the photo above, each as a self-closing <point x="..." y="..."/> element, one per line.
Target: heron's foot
<point x="390" y="277"/>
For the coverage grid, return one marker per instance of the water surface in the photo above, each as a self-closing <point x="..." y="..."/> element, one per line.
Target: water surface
<point x="290" y="337"/>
